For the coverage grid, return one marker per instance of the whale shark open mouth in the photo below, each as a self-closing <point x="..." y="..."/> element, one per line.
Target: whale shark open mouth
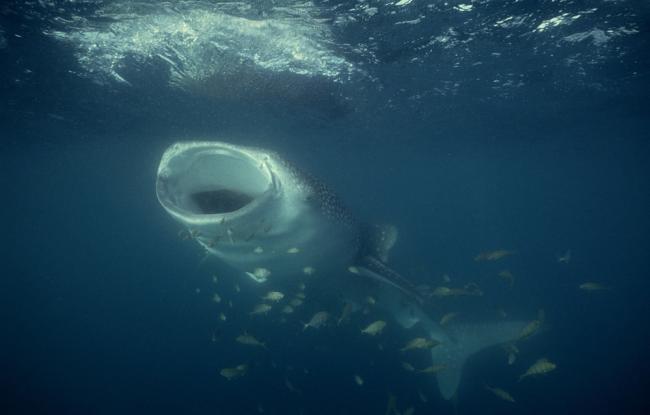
<point x="202" y="179"/>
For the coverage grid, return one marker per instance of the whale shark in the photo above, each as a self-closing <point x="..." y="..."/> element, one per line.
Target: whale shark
<point x="263" y="216"/>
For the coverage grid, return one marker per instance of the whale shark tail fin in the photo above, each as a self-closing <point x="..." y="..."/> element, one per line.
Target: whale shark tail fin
<point x="465" y="340"/>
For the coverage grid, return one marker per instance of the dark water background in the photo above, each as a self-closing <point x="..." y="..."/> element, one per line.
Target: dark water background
<point x="100" y="310"/>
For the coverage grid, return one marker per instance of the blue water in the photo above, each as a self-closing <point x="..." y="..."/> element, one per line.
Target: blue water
<point x="106" y="310"/>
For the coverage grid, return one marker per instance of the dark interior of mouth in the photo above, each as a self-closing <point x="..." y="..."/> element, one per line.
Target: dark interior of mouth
<point x="220" y="201"/>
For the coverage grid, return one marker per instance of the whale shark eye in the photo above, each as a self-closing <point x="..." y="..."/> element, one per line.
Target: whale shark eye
<point x="220" y="201"/>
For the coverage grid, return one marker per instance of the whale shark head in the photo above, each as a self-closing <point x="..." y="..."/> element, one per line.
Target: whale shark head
<point x="250" y="207"/>
<point x="203" y="182"/>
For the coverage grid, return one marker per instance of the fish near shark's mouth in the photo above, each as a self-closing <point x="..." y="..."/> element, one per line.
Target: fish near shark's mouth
<point x="204" y="181"/>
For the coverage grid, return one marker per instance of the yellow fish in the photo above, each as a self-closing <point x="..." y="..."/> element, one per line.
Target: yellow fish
<point x="512" y="351"/>
<point x="408" y="367"/>
<point x="500" y="393"/>
<point x="249" y="340"/>
<point x="348" y="307"/>
<point x="507" y="276"/>
<point x="532" y="327"/>
<point x="447" y="318"/>
<point x="592" y="286"/>
<point x="233" y="372"/>
<point x="273" y="296"/>
<point x="469" y="289"/>
<point x="540" y="367"/>
<point x="420" y="343"/>
<point x="433" y="369"/>
<point x="374" y="328"/>
<point x="493" y="255"/>
<point x="260" y="309"/>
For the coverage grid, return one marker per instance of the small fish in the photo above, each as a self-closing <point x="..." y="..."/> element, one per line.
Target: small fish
<point x="512" y="351"/>
<point x="540" y="367"/>
<point x="216" y="298"/>
<point x="290" y="386"/>
<point x="433" y="369"/>
<point x="249" y="340"/>
<point x="564" y="258"/>
<point x="442" y="292"/>
<point x="532" y="327"/>
<point x="493" y="255"/>
<point x="234" y="372"/>
<point x="259" y="274"/>
<point x="409" y="411"/>
<point x="237" y="289"/>
<point x="222" y="317"/>
<point x="296" y="302"/>
<point x="287" y="309"/>
<point x="507" y="276"/>
<point x="258" y="250"/>
<point x="274" y="296"/>
<point x="469" y="289"/>
<point x="348" y="307"/>
<point x="500" y="393"/>
<point x="408" y="367"/>
<point x="293" y="250"/>
<point x="593" y="286"/>
<point x="302" y="286"/>
<point x="370" y="300"/>
<point x="511" y="358"/>
<point x="358" y="380"/>
<point x="374" y="328"/>
<point x="422" y="396"/>
<point x="420" y="343"/>
<point x="353" y="270"/>
<point x="319" y="319"/>
<point x="301" y="295"/>
<point x="447" y="318"/>
<point x="445" y="278"/>
<point x="215" y="278"/>
<point x="260" y="309"/>
<point x="309" y="270"/>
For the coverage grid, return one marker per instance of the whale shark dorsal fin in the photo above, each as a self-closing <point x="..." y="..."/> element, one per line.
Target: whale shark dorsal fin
<point x="378" y="240"/>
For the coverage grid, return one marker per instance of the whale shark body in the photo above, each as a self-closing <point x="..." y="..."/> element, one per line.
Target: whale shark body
<point x="263" y="216"/>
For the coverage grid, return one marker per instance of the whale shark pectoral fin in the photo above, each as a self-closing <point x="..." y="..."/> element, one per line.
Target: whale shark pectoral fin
<point x="375" y="269"/>
<point x="378" y="240"/>
<point x="467" y="340"/>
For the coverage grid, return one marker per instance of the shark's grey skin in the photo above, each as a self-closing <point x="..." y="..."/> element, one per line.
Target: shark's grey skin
<point x="261" y="215"/>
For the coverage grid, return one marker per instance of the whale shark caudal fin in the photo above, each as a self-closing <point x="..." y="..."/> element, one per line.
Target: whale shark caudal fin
<point x="464" y="341"/>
